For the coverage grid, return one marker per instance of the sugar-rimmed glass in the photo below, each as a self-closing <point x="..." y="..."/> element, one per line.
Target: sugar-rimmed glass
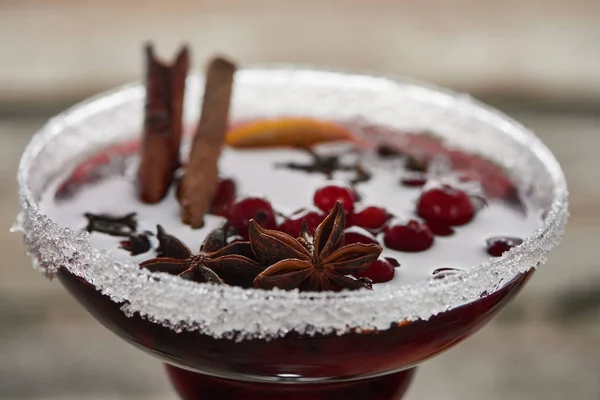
<point x="291" y="338"/>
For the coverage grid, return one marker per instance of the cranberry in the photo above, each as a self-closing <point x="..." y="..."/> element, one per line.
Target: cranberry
<point x="326" y="197"/>
<point x="372" y="218"/>
<point x="293" y="224"/>
<point x="243" y="210"/>
<point x="380" y="271"/>
<point x="440" y="230"/>
<point x="496" y="246"/>
<point x="412" y="236"/>
<point x="225" y="195"/>
<point x="414" y="179"/>
<point x="445" y="205"/>
<point x="358" y="235"/>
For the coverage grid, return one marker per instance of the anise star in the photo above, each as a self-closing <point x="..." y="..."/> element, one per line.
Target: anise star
<point x="217" y="262"/>
<point x="325" y="165"/>
<point x="312" y="264"/>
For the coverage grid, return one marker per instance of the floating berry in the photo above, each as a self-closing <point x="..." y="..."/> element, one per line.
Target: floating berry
<point x="243" y="210"/>
<point x="380" y="271"/>
<point x="326" y="197"/>
<point x="414" y="179"/>
<point x="359" y="235"/>
<point x="412" y="236"/>
<point x="372" y="218"/>
<point x="496" y="246"/>
<point x="293" y="224"/>
<point x="225" y="195"/>
<point x="446" y="206"/>
<point x="440" y="230"/>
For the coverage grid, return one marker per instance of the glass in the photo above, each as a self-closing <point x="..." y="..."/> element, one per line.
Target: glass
<point x="227" y="342"/>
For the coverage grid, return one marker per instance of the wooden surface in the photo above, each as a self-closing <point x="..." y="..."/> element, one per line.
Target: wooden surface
<point x="545" y="345"/>
<point x="541" y="49"/>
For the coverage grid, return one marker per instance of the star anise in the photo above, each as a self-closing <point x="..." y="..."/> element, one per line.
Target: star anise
<point x="387" y="151"/>
<point x="362" y="174"/>
<point x="137" y="243"/>
<point x="217" y="261"/>
<point x="309" y="263"/>
<point x="111" y="225"/>
<point x="327" y="165"/>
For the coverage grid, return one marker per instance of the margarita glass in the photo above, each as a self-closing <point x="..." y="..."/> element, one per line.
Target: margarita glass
<point x="227" y="342"/>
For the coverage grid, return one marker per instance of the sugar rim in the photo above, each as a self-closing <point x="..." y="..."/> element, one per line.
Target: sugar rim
<point x="236" y="313"/>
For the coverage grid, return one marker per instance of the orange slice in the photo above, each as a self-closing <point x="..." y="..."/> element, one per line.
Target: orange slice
<point x="286" y="131"/>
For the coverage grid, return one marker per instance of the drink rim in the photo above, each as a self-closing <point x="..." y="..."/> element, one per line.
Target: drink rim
<point x="224" y="311"/>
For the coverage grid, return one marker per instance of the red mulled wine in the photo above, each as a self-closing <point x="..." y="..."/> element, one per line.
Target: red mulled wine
<point x="260" y="184"/>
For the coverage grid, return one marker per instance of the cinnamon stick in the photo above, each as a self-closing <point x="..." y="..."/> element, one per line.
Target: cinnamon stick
<point x="159" y="154"/>
<point x="200" y="179"/>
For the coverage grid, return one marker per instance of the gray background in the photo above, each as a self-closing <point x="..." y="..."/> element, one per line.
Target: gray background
<point x="537" y="60"/>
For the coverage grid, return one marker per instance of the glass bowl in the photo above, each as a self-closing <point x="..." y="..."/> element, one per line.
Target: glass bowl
<point x="214" y="336"/>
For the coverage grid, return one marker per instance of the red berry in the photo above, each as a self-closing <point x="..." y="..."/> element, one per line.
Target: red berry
<point x="225" y="195"/>
<point x="440" y="230"/>
<point x="496" y="246"/>
<point x="380" y="271"/>
<point x="372" y="218"/>
<point x="358" y="235"/>
<point x="414" y="179"/>
<point x="412" y="236"/>
<point x="243" y="210"/>
<point x="445" y="205"/>
<point x="293" y="224"/>
<point x="326" y="197"/>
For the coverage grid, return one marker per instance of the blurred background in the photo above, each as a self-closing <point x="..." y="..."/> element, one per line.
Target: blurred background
<point x="537" y="60"/>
